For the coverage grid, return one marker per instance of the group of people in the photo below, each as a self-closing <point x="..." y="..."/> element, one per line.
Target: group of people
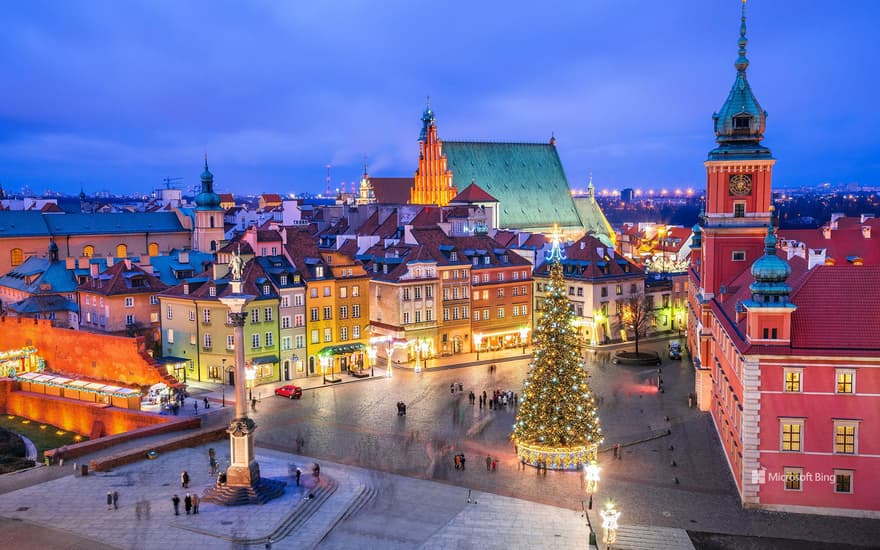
<point x="491" y="463"/>
<point x="401" y="408"/>
<point x="498" y="399"/>
<point x="190" y="503"/>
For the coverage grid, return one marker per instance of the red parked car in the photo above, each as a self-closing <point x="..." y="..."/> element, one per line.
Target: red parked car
<point x="290" y="391"/>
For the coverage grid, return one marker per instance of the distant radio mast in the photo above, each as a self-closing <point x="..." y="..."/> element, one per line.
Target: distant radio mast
<point x="328" y="181"/>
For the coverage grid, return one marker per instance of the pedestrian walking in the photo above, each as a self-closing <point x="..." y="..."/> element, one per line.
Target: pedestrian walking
<point x="253" y="404"/>
<point x="317" y="471"/>
<point x="452" y="388"/>
<point x="207" y="405"/>
<point x="187" y="503"/>
<point x="195" y="501"/>
<point x="184" y="479"/>
<point x="109" y="500"/>
<point x="488" y="462"/>
<point x="494" y="464"/>
<point x="175" y="500"/>
<point x="457" y="462"/>
<point x="462" y="461"/>
<point x="115" y="500"/>
<point x="298" y="475"/>
<point x="195" y="407"/>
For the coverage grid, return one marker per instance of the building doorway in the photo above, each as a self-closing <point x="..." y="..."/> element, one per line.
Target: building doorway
<point x="287" y="370"/>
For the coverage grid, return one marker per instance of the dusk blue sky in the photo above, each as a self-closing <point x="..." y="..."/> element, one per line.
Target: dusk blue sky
<point x="117" y="95"/>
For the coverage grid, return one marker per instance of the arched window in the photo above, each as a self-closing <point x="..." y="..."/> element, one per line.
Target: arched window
<point x="17" y="256"/>
<point x="153" y="249"/>
<point x="121" y="251"/>
<point x="88" y="251"/>
<point x="213" y="246"/>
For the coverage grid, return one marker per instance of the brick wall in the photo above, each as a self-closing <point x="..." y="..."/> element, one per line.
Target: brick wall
<point x="113" y="359"/>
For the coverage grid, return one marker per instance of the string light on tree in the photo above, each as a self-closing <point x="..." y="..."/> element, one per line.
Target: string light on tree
<point x="557" y="423"/>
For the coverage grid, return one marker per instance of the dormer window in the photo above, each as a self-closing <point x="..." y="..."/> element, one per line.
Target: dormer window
<point x="742" y="123"/>
<point x="266" y="289"/>
<point x="453" y="256"/>
<point x="284" y="280"/>
<point x="212" y="291"/>
<point x="319" y="271"/>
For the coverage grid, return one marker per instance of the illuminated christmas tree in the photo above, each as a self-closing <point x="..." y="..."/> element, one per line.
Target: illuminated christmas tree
<point x="557" y="423"/>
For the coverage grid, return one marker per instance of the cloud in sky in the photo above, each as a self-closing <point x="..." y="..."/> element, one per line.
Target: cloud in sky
<point x="117" y="95"/>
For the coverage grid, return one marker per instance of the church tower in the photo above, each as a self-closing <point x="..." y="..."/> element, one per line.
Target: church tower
<point x="433" y="181"/>
<point x="738" y="180"/>
<point x="209" y="215"/>
<point x="365" y="192"/>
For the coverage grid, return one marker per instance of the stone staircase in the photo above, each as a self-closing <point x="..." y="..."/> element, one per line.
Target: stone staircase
<point x="642" y="537"/>
<point x="226" y="495"/>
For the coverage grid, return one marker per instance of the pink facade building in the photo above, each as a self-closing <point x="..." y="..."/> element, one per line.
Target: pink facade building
<point x="784" y="333"/>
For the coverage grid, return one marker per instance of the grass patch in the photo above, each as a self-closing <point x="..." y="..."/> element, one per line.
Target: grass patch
<point x="44" y="436"/>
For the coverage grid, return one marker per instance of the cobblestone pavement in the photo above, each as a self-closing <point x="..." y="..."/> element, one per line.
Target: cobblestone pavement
<point x="356" y="426"/>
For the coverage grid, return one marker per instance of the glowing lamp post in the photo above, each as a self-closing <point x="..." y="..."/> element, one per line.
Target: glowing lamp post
<point x="591" y="476"/>
<point x="523" y="334"/>
<point x="478" y="339"/>
<point x="371" y="353"/>
<point x="610" y="516"/>
<point x="598" y="318"/>
<point x="250" y="376"/>
<point x="423" y="351"/>
<point x="325" y="361"/>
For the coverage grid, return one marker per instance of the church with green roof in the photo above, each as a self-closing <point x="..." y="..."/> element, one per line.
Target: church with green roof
<point x="527" y="179"/>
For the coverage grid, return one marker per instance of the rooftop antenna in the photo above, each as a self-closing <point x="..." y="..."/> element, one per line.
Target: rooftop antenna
<point x="328" y="180"/>
<point x="169" y="181"/>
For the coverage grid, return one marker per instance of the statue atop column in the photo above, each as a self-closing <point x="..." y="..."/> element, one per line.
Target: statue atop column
<point x="236" y="264"/>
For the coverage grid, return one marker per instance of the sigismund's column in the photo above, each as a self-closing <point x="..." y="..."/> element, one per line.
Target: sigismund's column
<point x="243" y="468"/>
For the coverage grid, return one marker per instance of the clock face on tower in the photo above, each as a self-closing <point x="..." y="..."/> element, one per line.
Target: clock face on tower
<point x="740" y="184"/>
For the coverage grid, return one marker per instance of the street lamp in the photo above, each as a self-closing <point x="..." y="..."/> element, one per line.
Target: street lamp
<point x="323" y="360"/>
<point x="610" y="515"/>
<point x="371" y="353"/>
<point x="423" y="351"/>
<point x="478" y="339"/>
<point x="598" y="318"/>
<point x="523" y="334"/>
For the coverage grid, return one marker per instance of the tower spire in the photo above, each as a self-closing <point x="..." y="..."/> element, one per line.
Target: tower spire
<point x="742" y="62"/>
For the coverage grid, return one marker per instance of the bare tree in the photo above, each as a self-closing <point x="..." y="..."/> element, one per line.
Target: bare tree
<point x="636" y="315"/>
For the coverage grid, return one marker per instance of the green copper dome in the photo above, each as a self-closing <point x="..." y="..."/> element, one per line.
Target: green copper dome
<point x="207" y="199"/>
<point x="770" y="271"/>
<point x="740" y="123"/>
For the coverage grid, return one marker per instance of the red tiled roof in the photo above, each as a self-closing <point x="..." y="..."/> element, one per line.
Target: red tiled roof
<point x="268" y="235"/>
<point x="473" y="193"/>
<point x="51" y="207"/>
<point x="226" y="197"/>
<point x="119" y="279"/>
<point x="584" y="255"/>
<point x="271" y="197"/>
<point x="428" y="216"/>
<point x="392" y="190"/>
<point x="233" y="246"/>
<point x="846" y="241"/>
<point x="505" y="238"/>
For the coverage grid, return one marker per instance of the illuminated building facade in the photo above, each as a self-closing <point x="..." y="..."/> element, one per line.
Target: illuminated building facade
<point x="785" y="347"/>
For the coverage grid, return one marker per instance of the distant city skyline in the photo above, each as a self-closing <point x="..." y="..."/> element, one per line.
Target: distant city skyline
<point x="116" y="97"/>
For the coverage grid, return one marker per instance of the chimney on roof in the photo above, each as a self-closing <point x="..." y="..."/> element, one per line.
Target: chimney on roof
<point x="834" y="217"/>
<point x="82" y="263"/>
<point x="583" y="245"/>
<point x="110" y="261"/>
<point x="826" y="232"/>
<point x="815" y="256"/>
<point x="183" y="256"/>
<point x="866" y="231"/>
<point x="93" y="270"/>
<point x="865" y="217"/>
<point x="70" y="263"/>
<point x="145" y="260"/>
<point x="127" y="263"/>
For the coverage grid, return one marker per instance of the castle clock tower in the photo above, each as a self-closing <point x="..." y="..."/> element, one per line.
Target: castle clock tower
<point x="738" y="179"/>
<point x="208" y="215"/>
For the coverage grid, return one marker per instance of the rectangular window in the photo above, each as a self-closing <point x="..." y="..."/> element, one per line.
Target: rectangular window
<point x="406" y="294"/>
<point x="476" y="279"/>
<point x="269" y="339"/>
<point x="255" y="316"/>
<point x="516" y="311"/>
<point x="355" y="291"/>
<point x="315" y="338"/>
<point x="230" y="341"/>
<point x="738" y="256"/>
<point x="485" y="277"/>
<point x="212" y="291"/>
<point x="299" y="341"/>
<point x="154" y="300"/>
<point x="843" y="481"/>
<point x="129" y="301"/>
<point x="328" y="312"/>
<point x="485" y="314"/>
<point x="327" y="291"/>
<point x="285" y="301"/>
<point x="845" y="437"/>
<point x="793" y="477"/>
<point x="501" y="293"/>
<point x="328" y="334"/>
<point x="206" y="315"/>
<point x="501" y="277"/>
<point x="192" y="314"/>
<point x="313" y="314"/>
<point x="446" y="293"/>
<point x="846" y="381"/>
<point x="580" y="291"/>
<point x="793" y="380"/>
<point x="255" y="341"/>
<point x="618" y="290"/>
<point x="285" y="322"/>
<point x="169" y="313"/>
<point x="465" y="312"/>
<point x="170" y="335"/>
<point x="343" y="333"/>
<point x="792" y="432"/>
<point x="429" y="292"/>
<point x="405" y="317"/>
<point x="313" y="292"/>
<point x="418" y="316"/>
<point x="343" y="312"/>
<point x="343" y="292"/>
<point x="298" y="300"/>
<point x="356" y="311"/>
<point x="267" y="313"/>
<point x="739" y="210"/>
<point x="604" y="291"/>
<point x="129" y="319"/>
<point x="418" y="292"/>
<point x="356" y="332"/>
<point x="445" y="313"/>
<point x="282" y="278"/>
<point x="455" y="292"/>
<point x="476" y="295"/>
<point x="524" y="310"/>
<point x="571" y="291"/>
<point x="192" y="340"/>
<point x="500" y="313"/>
<point x="207" y="339"/>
